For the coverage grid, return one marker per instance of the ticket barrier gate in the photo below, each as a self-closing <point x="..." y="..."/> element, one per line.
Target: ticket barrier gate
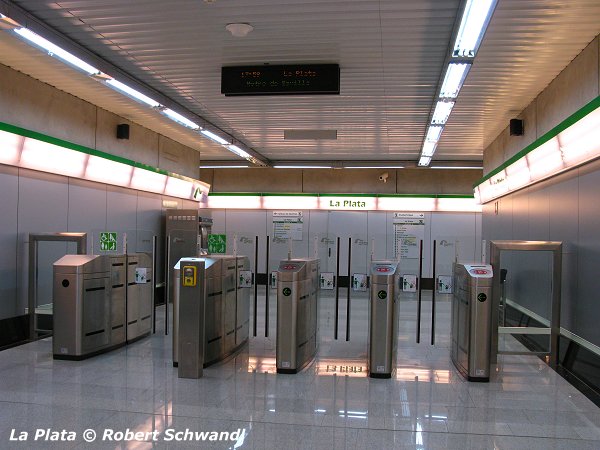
<point x="471" y="323"/>
<point x="227" y="307"/>
<point x="93" y="303"/>
<point x="192" y="307"/>
<point x="383" y="318"/>
<point x="297" y="309"/>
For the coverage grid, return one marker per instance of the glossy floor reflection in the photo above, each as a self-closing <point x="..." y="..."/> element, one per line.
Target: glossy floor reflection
<point x="330" y="405"/>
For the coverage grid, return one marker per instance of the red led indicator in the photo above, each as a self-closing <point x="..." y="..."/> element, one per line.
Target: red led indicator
<point x="480" y="272"/>
<point x="383" y="269"/>
<point x="289" y="267"/>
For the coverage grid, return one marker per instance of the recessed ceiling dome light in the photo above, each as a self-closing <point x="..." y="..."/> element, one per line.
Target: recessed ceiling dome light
<point x="239" y="29"/>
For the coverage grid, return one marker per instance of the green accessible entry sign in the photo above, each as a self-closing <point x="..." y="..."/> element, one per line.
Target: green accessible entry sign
<point x="217" y="243"/>
<point x="108" y="241"/>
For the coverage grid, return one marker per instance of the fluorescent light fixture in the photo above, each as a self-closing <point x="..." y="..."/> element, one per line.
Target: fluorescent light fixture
<point x="433" y="133"/>
<point x="442" y="112"/>
<point x="457" y="167"/>
<point x="225" y="167"/>
<point x="424" y="161"/>
<point x="545" y="160"/>
<point x="301" y="167"/>
<point x="454" y="79"/>
<point x="473" y="24"/>
<point x="235" y="202"/>
<point x="517" y="174"/>
<point x="373" y="167"/>
<point x="214" y="137"/>
<point x="20" y="151"/>
<point x="146" y="180"/>
<point x="283" y="202"/>
<point x="581" y="141"/>
<point x="238" y="151"/>
<point x="178" y="188"/>
<point x="180" y="119"/>
<point x="406" y="204"/>
<point x="132" y="93"/>
<point x="10" y="148"/>
<point x="428" y="149"/>
<point x="107" y="171"/>
<point x="55" y="50"/>
<point x="39" y="155"/>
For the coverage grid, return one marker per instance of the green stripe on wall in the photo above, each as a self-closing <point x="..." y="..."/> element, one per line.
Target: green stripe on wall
<point x="87" y="150"/>
<point x="283" y="194"/>
<point x="573" y="118"/>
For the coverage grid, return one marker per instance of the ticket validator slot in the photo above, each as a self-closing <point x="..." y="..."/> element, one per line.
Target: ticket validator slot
<point x="190" y="276"/>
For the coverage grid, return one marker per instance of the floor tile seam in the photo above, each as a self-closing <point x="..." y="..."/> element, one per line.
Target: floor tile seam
<point x="516" y="434"/>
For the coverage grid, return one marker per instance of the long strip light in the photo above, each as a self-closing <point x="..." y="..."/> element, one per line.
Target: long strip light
<point x="424" y="161"/>
<point x="176" y="117"/>
<point x="340" y="202"/>
<point x="218" y="139"/>
<point x="433" y="133"/>
<point x="54" y="50"/>
<point x="130" y="92"/>
<point x="473" y="24"/>
<point x="292" y="166"/>
<point x="454" y="79"/>
<point x="574" y="145"/>
<point x="59" y="157"/>
<point x="474" y="21"/>
<point x="238" y="151"/>
<point x="442" y="112"/>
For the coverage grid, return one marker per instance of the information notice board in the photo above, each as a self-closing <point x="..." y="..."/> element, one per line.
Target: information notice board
<point x="288" y="225"/>
<point x="409" y="230"/>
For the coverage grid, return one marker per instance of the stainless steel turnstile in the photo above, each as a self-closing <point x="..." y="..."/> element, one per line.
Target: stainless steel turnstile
<point x="82" y="312"/>
<point x="297" y="327"/>
<point x="101" y="302"/>
<point x="471" y="326"/>
<point x="192" y="306"/>
<point x="227" y="311"/>
<point x="383" y="318"/>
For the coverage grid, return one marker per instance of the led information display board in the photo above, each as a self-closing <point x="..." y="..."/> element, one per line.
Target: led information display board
<point x="281" y="80"/>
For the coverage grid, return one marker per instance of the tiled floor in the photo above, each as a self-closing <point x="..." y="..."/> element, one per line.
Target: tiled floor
<point x="330" y="405"/>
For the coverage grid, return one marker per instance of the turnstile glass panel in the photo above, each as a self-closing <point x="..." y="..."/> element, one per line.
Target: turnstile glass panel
<point x="525" y="308"/>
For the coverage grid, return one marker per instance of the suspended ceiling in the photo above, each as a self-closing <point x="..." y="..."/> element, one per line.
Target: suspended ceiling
<point x="392" y="54"/>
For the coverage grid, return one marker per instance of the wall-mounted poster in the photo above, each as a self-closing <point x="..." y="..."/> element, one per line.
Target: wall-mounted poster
<point x="409" y="230"/>
<point x="288" y="225"/>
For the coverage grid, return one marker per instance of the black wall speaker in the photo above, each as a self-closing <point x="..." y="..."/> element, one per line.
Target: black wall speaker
<point x="123" y="131"/>
<point x="516" y="127"/>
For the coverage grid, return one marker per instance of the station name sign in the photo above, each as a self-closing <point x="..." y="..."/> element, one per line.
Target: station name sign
<point x="281" y="79"/>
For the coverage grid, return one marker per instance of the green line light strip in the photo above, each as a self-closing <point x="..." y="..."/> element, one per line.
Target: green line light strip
<point x="90" y="151"/>
<point x="572" y="119"/>
<point x="275" y="194"/>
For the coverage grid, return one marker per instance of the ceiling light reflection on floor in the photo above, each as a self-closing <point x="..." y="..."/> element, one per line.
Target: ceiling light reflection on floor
<point x="424" y="375"/>
<point x="262" y="365"/>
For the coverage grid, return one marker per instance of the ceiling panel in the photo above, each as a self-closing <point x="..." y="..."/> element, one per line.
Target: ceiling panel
<point x="391" y="53"/>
